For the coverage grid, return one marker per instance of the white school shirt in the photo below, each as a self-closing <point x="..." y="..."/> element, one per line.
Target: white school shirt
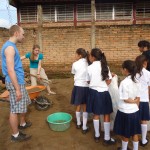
<point x="79" y="69"/>
<point x="128" y="89"/>
<point x="95" y="77"/>
<point x="144" y="79"/>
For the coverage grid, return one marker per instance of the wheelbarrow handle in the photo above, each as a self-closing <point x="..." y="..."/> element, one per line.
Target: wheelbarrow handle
<point x="36" y="77"/>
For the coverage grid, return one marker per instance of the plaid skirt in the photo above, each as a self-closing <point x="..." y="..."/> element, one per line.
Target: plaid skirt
<point x="18" y="106"/>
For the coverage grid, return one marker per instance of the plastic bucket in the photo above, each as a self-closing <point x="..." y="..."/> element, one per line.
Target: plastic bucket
<point x="59" y="121"/>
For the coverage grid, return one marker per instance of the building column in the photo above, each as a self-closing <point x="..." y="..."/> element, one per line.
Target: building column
<point x="92" y="23"/>
<point x="40" y="23"/>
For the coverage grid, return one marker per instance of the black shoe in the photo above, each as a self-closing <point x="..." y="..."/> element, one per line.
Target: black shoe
<point x="143" y="145"/>
<point x="109" y="142"/>
<point x="120" y="148"/>
<point x="79" y="126"/>
<point x="85" y="131"/>
<point x="28" y="124"/>
<point x="21" y="137"/>
<point x="97" y="139"/>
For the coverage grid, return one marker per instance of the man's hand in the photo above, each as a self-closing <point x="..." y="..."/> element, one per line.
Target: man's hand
<point x="18" y="95"/>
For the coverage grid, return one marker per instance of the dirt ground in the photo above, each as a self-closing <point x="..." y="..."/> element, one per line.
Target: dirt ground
<point x="43" y="138"/>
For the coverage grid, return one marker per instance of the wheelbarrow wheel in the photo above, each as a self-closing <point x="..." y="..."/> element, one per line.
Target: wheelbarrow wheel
<point x="42" y="103"/>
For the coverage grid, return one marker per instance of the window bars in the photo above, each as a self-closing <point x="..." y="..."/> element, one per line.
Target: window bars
<point x="58" y="13"/>
<point x="28" y="14"/>
<point x="104" y="11"/>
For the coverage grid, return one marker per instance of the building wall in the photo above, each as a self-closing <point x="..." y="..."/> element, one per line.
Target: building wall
<point x="59" y="43"/>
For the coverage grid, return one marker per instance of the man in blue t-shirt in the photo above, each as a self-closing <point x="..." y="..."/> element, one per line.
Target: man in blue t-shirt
<point x="144" y="47"/>
<point x="14" y="79"/>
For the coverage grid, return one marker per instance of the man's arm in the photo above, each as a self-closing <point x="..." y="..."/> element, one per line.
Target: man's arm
<point x="10" y="53"/>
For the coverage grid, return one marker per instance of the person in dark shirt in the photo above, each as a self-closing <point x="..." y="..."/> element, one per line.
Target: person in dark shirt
<point x="144" y="48"/>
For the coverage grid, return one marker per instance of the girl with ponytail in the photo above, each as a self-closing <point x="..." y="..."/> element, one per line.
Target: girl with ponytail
<point x="99" y="100"/>
<point x="80" y="89"/>
<point x="144" y="78"/>
<point x="127" y="121"/>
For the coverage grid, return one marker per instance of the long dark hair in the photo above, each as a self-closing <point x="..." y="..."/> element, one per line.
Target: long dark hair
<point x="131" y="67"/>
<point x="97" y="53"/>
<point x="139" y="62"/>
<point x="83" y="53"/>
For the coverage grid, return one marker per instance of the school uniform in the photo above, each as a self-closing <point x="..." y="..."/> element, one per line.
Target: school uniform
<point x="144" y="79"/>
<point x="80" y="90"/>
<point x="127" y="121"/>
<point x="99" y="100"/>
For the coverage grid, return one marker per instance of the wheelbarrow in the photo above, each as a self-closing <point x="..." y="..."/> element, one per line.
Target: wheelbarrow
<point x="41" y="102"/>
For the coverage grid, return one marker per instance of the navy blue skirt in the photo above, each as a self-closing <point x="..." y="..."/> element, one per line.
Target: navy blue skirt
<point x="144" y="111"/>
<point x="127" y="125"/>
<point x="79" y="95"/>
<point x="99" y="103"/>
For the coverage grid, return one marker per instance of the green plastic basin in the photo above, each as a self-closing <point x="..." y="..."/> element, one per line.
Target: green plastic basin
<point x="59" y="121"/>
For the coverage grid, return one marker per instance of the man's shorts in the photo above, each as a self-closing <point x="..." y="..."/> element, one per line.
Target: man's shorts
<point x="18" y="106"/>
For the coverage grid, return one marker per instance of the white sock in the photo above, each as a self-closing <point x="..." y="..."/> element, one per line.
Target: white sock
<point x="107" y="130"/>
<point x="135" y="145"/>
<point x="96" y="128"/>
<point x="78" y="116"/>
<point x="124" y="145"/>
<point x="15" y="135"/>
<point x="23" y="124"/>
<point x="144" y="133"/>
<point x="85" y="115"/>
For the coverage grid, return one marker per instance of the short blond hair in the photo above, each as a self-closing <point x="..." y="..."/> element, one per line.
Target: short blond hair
<point x="13" y="29"/>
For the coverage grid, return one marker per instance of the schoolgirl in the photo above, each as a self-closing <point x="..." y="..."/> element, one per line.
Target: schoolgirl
<point x="80" y="90"/>
<point x="144" y="48"/>
<point x="99" y="100"/>
<point x="144" y="78"/>
<point x="127" y="121"/>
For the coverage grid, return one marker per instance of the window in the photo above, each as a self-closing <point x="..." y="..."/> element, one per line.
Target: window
<point x="48" y="13"/>
<point x="58" y="13"/>
<point x="64" y="12"/>
<point x="104" y="11"/>
<point x="118" y="11"/>
<point x="28" y="14"/>
<point x="143" y="10"/>
<point x="123" y="11"/>
<point x="83" y="12"/>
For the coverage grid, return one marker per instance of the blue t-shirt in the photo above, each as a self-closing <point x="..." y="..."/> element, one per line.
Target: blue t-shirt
<point x="17" y="63"/>
<point x="34" y="63"/>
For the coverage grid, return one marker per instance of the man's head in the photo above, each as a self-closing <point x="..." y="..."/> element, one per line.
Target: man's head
<point x="143" y="45"/>
<point x="16" y="32"/>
